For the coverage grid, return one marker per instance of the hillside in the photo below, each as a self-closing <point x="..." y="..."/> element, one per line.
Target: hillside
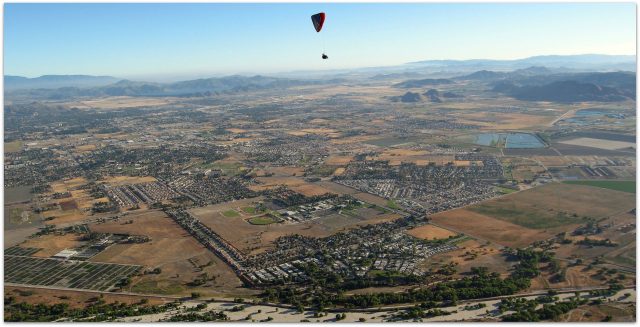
<point x="56" y="81"/>
<point x="198" y="87"/>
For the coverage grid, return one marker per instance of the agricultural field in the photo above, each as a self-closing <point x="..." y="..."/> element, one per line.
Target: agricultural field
<point x="599" y="143"/>
<point x="623" y="186"/>
<point x="555" y="205"/>
<point x="65" y="273"/>
<point x="487" y="228"/>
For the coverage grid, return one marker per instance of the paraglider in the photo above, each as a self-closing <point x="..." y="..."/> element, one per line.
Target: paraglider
<point x="318" y="22"/>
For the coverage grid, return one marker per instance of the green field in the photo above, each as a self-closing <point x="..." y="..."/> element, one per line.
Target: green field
<point x="249" y="210"/>
<point x="505" y="190"/>
<point x="391" y="141"/>
<point x="536" y="219"/>
<point x="231" y="213"/>
<point x="624" y="186"/>
<point x="264" y="220"/>
<point x="393" y="205"/>
<point x="14" y="146"/>
<point x="227" y="168"/>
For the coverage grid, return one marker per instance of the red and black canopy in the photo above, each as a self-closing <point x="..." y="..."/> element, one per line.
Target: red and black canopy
<point x="318" y="21"/>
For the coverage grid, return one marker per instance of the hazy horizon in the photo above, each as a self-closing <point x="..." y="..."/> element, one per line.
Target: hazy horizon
<point x="176" y="41"/>
<point x="183" y="76"/>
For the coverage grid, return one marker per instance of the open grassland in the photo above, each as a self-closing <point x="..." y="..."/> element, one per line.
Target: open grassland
<point x="180" y="257"/>
<point x="264" y="220"/>
<point x="123" y="180"/>
<point x="119" y="102"/>
<point x="297" y="184"/>
<point x="51" y="244"/>
<point x="624" y="186"/>
<point x="13" y="146"/>
<point x="430" y="232"/>
<point x="472" y="253"/>
<point x="488" y="228"/>
<point x="75" y="299"/>
<point x="555" y="205"/>
<point x="619" y="312"/>
<point x="231" y="213"/>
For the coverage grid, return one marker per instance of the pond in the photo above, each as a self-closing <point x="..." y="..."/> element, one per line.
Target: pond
<point x="510" y="140"/>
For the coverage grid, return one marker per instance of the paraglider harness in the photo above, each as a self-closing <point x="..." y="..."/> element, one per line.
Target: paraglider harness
<point x="324" y="56"/>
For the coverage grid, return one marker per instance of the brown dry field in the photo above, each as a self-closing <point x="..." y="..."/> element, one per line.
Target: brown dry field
<point x="67" y="185"/>
<point x="236" y="141"/>
<point x="576" y="277"/>
<point x="551" y="161"/>
<point x="68" y="205"/>
<point x="487" y="255"/>
<point x="52" y="244"/>
<point x="360" y="139"/>
<point x="237" y="130"/>
<point x="623" y="254"/>
<point x="85" y="148"/>
<point x="339" y="171"/>
<point x="337" y="188"/>
<point x="297" y="184"/>
<point x="620" y="312"/>
<point x="491" y="229"/>
<point x="63" y="217"/>
<point x="119" y="102"/>
<point x="430" y="232"/>
<point x="68" y="214"/>
<point x="504" y="121"/>
<point x="366" y="197"/>
<point x="579" y="199"/>
<point x="75" y="299"/>
<point x="310" y="189"/>
<point x="284" y="171"/>
<point x="123" y="180"/>
<point x="341" y="189"/>
<point x="396" y="158"/>
<point x="170" y="249"/>
<point x="320" y="131"/>
<point x="336" y="160"/>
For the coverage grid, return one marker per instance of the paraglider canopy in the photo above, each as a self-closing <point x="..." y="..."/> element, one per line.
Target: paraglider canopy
<point x="318" y="21"/>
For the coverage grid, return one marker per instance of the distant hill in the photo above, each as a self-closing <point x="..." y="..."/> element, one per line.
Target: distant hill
<point x="451" y="95"/>
<point x="433" y="95"/>
<point x="484" y="75"/>
<point x="597" y="62"/>
<point x="56" y="81"/>
<point x="529" y="72"/>
<point x="415" y="83"/>
<point x="198" y="87"/>
<point x="409" y="97"/>
<point x="396" y="76"/>
<point x="613" y="86"/>
<point x="562" y="91"/>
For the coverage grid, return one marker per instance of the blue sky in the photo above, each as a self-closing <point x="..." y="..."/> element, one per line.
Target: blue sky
<point x="198" y="39"/>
